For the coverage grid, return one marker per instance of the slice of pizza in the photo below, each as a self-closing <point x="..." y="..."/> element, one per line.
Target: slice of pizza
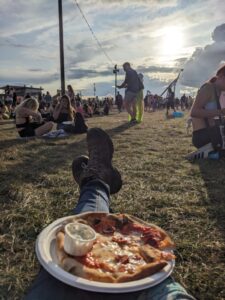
<point x="109" y="223"/>
<point x="126" y="249"/>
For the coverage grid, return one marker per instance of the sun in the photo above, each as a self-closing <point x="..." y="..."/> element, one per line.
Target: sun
<point x="172" y="41"/>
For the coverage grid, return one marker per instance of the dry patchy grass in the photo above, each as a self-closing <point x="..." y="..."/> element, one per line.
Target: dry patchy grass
<point x="160" y="186"/>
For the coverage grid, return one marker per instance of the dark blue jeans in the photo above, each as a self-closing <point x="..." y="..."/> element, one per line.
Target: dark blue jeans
<point x="94" y="196"/>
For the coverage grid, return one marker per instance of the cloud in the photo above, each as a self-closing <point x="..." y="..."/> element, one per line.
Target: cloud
<point x="10" y="42"/>
<point x="155" y="69"/>
<point x="75" y="73"/>
<point x="30" y="78"/>
<point x="151" y="3"/>
<point x="126" y="29"/>
<point x="35" y="70"/>
<point x="218" y="34"/>
<point x="85" y="51"/>
<point x="88" y="73"/>
<point x="205" y="61"/>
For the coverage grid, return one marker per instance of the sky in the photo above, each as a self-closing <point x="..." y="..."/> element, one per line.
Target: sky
<point x="158" y="38"/>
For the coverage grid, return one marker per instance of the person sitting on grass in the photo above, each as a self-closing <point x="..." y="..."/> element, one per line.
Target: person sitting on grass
<point x="79" y="108"/>
<point x="63" y="112"/>
<point x="97" y="179"/>
<point x="71" y="95"/>
<point x="206" y="109"/>
<point x="29" y="121"/>
<point x="4" y="112"/>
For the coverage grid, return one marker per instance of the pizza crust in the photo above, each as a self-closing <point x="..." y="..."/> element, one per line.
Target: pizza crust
<point x="143" y="271"/>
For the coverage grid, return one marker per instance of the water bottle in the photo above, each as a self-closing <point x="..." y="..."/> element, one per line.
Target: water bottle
<point x="214" y="155"/>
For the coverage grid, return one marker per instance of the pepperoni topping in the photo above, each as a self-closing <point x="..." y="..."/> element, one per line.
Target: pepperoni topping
<point x="152" y="237"/>
<point x="120" y="240"/>
<point x="123" y="259"/>
<point x="88" y="260"/>
<point x="105" y="226"/>
<point x="91" y="262"/>
<point x="149" y="235"/>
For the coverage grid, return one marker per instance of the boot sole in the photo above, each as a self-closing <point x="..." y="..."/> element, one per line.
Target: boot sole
<point x="76" y="166"/>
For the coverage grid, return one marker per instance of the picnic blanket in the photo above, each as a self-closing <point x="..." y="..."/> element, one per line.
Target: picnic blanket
<point x="55" y="134"/>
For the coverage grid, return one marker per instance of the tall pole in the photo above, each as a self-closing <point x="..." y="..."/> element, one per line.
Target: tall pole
<point x="61" y="48"/>
<point x="181" y="70"/>
<point x="115" y="71"/>
<point x="115" y="85"/>
<point x="173" y="83"/>
<point x="94" y="89"/>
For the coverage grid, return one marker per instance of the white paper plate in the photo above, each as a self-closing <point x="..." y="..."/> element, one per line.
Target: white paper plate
<point x="46" y="254"/>
<point x="68" y="123"/>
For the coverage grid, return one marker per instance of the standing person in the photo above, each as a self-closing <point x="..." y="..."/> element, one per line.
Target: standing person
<point x="133" y="85"/>
<point x="97" y="179"/>
<point x="48" y="98"/>
<point x="177" y="102"/>
<point x="206" y="109"/>
<point x="139" y="102"/>
<point x="14" y="99"/>
<point x="119" y="101"/>
<point x="9" y="95"/>
<point x="170" y="101"/>
<point x="182" y="102"/>
<point x="147" y="100"/>
<point x="71" y="94"/>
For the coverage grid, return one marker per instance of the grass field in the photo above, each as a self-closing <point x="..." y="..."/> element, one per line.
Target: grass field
<point x="160" y="186"/>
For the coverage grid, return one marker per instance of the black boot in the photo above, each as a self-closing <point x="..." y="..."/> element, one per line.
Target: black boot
<point x="99" y="165"/>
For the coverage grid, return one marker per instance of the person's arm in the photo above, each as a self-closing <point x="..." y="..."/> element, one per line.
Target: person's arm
<point x="26" y="112"/>
<point x="57" y="111"/>
<point x="124" y="84"/>
<point x="203" y="97"/>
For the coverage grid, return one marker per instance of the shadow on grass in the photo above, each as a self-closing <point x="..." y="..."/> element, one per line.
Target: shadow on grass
<point x="214" y="177"/>
<point x="7" y="122"/>
<point x="10" y="143"/>
<point x="8" y="128"/>
<point x="120" y="129"/>
<point x="43" y="158"/>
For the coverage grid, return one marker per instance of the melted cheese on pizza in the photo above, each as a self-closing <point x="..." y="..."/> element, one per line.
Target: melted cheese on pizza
<point x="113" y="257"/>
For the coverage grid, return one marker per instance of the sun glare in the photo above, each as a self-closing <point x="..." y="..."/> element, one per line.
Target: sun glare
<point x="172" y="41"/>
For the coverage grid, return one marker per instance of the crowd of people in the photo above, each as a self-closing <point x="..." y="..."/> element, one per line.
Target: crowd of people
<point x="133" y="101"/>
<point x="155" y="102"/>
<point x="35" y="116"/>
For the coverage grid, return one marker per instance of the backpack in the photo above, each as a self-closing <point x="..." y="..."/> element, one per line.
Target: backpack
<point x="79" y="123"/>
<point x="140" y="84"/>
